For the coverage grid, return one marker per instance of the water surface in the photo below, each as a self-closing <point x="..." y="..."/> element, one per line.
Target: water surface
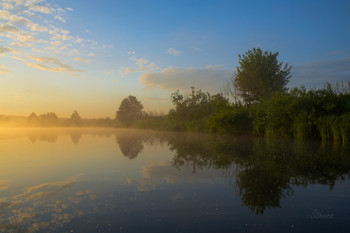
<point x="115" y="180"/>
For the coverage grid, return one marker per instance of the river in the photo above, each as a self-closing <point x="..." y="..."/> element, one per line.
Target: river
<point x="126" y="180"/>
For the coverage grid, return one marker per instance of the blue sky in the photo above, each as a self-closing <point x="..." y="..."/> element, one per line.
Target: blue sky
<point x="87" y="56"/>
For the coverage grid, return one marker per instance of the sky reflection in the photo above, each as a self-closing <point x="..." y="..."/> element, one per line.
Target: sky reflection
<point x="101" y="180"/>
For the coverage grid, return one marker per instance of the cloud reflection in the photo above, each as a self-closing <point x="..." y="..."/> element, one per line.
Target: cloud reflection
<point x="26" y="212"/>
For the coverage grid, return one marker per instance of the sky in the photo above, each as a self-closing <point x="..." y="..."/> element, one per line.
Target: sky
<point x="87" y="55"/>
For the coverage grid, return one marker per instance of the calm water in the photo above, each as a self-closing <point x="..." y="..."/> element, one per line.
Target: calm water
<point x="108" y="180"/>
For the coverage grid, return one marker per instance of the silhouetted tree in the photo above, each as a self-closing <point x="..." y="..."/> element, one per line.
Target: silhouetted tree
<point x="130" y="109"/>
<point x="259" y="74"/>
<point x="33" y="119"/>
<point x="75" y="119"/>
<point x="49" y="119"/>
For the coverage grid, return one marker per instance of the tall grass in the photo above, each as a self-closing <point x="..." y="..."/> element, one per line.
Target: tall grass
<point x="345" y="127"/>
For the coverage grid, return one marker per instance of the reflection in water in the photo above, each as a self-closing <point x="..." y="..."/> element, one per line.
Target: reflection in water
<point x="76" y="136"/>
<point x="130" y="144"/>
<point x="40" y="207"/>
<point x="264" y="171"/>
<point x="50" y="138"/>
<point x="177" y="177"/>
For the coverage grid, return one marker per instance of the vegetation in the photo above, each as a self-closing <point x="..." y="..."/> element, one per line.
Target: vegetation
<point x="262" y="106"/>
<point x="130" y="109"/>
<point x="260" y="74"/>
<point x="259" y="104"/>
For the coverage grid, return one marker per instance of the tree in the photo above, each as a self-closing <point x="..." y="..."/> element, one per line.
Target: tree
<point x="259" y="75"/>
<point x="130" y="109"/>
<point x="33" y="119"/>
<point x="49" y="119"/>
<point x="75" y="119"/>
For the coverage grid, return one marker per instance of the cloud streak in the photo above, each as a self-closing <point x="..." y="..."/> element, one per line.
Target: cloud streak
<point x="316" y="74"/>
<point x="173" y="51"/>
<point x="4" y="69"/>
<point x="48" y="64"/>
<point x="141" y="65"/>
<point x="7" y="50"/>
<point x="208" y="79"/>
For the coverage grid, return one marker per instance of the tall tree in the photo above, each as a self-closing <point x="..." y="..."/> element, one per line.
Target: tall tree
<point x="75" y="119"/>
<point x="130" y="109"/>
<point x="33" y="119"/>
<point x="260" y="74"/>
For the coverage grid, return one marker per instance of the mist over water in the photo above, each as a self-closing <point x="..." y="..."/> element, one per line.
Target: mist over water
<point x="124" y="180"/>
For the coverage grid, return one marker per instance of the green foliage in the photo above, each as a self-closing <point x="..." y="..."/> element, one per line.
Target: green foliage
<point x="299" y="114"/>
<point x="231" y="121"/>
<point x="278" y="113"/>
<point x="191" y="113"/>
<point x="197" y="105"/>
<point x="130" y="109"/>
<point x="345" y="127"/>
<point x="259" y="75"/>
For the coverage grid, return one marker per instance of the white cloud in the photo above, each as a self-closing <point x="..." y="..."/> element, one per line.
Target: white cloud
<point x="6" y="6"/>
<point x="173" y="51"/>
<point x="60" y="18"/>
<point x="4" y="69"/>
<point x="22" y="39"/>
<point x="50" y="48"/>
<point x="197" y="49"/>
<point x="79" y="40"/>
<point x="214" y="67"/>
<point x="58" y="30"/>
<point x="22" y="44"/>
<point x="57" y="43"/>
<point x="74" y="52"/>
<point x="141" y="62"/>
<point x="7" y="50"/>
<point x="142" y="65"/>
<point x="179" y="78"/>
<point x="4" y="14"/>
<point x="80" y="59"/>
<point x="28" y="23"/>
<point x="41" y="9"/>
<point x="8" y="28"/>
<point x="61" y="37"/>
<point x="52" y="64"/>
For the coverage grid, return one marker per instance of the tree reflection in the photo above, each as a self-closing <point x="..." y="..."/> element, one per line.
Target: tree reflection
<point x="75" y="136"/>
<point x="130" y="144"/>
<point x="264" y="171"/>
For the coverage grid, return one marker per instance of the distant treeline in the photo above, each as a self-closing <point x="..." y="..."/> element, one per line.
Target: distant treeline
<point x="297" y="113"/>
<point x="50" y="119"/>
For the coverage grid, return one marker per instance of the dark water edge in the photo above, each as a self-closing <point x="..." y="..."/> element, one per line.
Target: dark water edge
<point x="107" y="180"/>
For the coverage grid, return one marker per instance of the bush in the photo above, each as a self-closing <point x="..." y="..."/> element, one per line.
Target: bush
<point x="231" y="121"/>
